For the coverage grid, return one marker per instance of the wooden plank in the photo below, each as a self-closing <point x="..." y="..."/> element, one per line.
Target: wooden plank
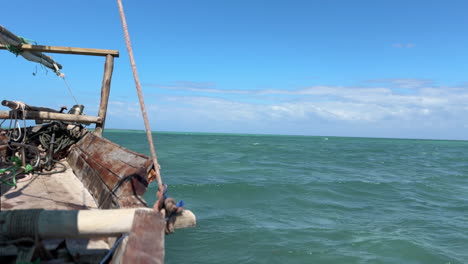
<point x="66" y="50"/>
<point x="43" y="115"/>
<point x="146" y="240"/>
<point x="105" y="91"/>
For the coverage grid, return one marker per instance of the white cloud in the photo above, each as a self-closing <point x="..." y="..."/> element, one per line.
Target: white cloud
<point x="345" y="107"/>
<point x="334" y="103"/>
<point x="121" y="108"/>
<point x="206" y="87"/>
<point x="408" y="83"/>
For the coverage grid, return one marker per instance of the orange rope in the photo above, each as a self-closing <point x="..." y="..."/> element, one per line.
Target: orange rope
<point x="140" y="96"/>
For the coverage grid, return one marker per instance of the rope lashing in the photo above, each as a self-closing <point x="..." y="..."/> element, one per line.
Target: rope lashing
<point x="19" y="105"/>
<point x="170" y="209"/>
<point x="13" y="49"/>
<point x="170" y="205"/>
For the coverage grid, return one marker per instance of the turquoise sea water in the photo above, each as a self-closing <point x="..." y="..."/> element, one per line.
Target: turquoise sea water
<point x="298" y="199"/>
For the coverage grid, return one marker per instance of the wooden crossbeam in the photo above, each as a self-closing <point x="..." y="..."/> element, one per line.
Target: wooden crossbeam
<point x="43" y="115"/>
<point x="66" y="50"/>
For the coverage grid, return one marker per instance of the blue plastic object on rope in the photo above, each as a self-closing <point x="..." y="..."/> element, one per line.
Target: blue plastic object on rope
<point x="180" y="203"/>
<point x="165" y="192"/>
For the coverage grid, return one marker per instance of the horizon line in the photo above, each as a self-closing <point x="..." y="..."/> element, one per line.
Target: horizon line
<point x="290" y="135"/>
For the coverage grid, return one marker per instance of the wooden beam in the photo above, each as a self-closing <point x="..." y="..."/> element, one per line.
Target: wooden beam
<point x="66" y="50"/>
<point x="105" y="91"/>
<point x="42" y="115"/>
<point x="146" y="240"/>
<point x="15" y="105"/>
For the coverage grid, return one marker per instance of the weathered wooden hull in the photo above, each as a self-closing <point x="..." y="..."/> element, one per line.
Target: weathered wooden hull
<point x="100" y="175"/>
<point x="115" y="176"/>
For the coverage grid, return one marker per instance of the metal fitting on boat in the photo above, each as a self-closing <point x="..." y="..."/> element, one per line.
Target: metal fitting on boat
<point x="76" y="110"/>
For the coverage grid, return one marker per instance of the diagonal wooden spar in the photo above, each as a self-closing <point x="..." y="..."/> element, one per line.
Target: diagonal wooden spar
<point x="142" y="101"/>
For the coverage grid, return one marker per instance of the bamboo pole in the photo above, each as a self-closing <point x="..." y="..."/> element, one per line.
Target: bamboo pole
<point x="105" y="91"/>
<point x="14" y="105"/>
<point x="47" y="224"/>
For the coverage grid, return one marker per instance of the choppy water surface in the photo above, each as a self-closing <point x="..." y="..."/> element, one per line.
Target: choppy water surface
<point x="292" y="199"/>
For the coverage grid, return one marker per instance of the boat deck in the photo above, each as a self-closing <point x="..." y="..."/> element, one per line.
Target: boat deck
<point x="58" y="191"/>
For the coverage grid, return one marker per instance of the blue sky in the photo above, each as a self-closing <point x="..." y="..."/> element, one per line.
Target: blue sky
<point x="331" y="68"/>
